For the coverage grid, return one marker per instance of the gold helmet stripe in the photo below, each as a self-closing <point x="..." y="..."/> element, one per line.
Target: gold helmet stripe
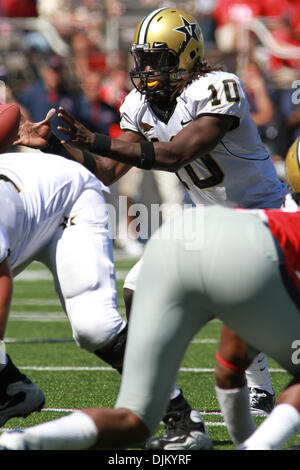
<point x="145" y="25"/>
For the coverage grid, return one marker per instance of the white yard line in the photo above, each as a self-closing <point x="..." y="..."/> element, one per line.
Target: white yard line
<point x="44" y="275"/>
<point x="69" y="340"/>
<point x="96" y="369"/>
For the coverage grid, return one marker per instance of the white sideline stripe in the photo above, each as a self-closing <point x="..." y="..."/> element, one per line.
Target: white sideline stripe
<point x="92" y="369"/>
<point x="61" y="317"/>
<point x="205" y="341"/>
<point x="37" y="340"/>
<point x="36" y="301"/>
<point x="39" y="316"/>
<point x="64" y="410"/>
<point x="207" y="423"/>
<point x="45" y="316"/>
<point x="69" y="340"/>
<point x="36" y="275"/>
<point x="44" y="275"/>
<point x="207" y="413"/>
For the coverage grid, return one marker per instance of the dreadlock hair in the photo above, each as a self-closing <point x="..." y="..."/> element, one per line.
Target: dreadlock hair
<point x="164" y="104"/>
<point x="201" y="69"/>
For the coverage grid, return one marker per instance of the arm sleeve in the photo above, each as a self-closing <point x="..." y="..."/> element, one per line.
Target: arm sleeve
<point x="129" y="111"/>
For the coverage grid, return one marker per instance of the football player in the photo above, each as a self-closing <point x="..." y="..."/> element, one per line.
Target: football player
<point x="185" y="117"/>
<point x="54" y="211"/>
<point x="38" y="135"/>
<point x="231" y="357"/>
<point x="241" y="267"/>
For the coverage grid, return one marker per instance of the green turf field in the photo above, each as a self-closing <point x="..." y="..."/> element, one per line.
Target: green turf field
<point x="39" y="340"/>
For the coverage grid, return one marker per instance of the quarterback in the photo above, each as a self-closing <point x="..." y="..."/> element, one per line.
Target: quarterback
<point x="185" y="117"/>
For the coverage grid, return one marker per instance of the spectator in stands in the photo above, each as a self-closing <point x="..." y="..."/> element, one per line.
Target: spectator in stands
<point x="49" y="92"/>
<point x="263" y="110"/>
<point x="96" y="115"/>
<point x="204" y="12"/>
<point x="231" y="14"/>
<point x="290" y="108"/>
<point x="293" y="122"/>
<point x="86" y="55"/>
<point x="18" y="8"/>
<point x="114" y="7"/>
<point x="261" y="106"/>
<point x="285" y="71"/>
<point x="115" y="87"/>
<point x="286" y="33"/>
<point x="86" y="16"/>
<point x="239" y="11"/>
<point x="81" y="48"/>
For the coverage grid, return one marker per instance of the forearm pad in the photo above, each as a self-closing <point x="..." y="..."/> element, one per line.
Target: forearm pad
<point x="101" y="144"/>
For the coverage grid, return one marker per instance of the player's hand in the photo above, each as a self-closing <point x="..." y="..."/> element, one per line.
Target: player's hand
<point x="79" y="135"/>
<point x="35" y="134"/>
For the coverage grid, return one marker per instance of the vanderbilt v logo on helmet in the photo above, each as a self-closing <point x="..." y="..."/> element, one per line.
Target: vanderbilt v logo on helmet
<point x="189" y="30"/>
<point x="169" y="41"/>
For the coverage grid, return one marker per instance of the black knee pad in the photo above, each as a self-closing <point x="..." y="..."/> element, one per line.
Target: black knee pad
<point x="114" y="355"/>
<point x="128" y="297"/>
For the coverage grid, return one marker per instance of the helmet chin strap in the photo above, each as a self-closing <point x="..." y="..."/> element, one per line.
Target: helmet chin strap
<point x="162" y="97"/>
<point x="161" y="104"/>
<point x="160" y="100"/>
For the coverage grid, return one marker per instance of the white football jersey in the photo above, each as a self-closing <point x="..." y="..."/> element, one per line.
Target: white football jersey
<point x="45" y="188"/>
<point x="239" y="170"/>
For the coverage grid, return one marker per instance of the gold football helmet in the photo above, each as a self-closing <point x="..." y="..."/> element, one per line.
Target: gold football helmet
<point x="169" y="42"/>
<point x="292" y="166"/>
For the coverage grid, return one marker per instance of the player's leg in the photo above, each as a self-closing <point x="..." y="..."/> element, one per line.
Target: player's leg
<point x="257" y="294"/>
<point x="172" y="322"/>
<point x="281" y="425"/>
<point x="19" y="396"/>
<point x="159" y="333"/>
<point x="280" y="326"/>
<point x="81" y="260"/>
<point x="261" y="392"/>
<point x="231" y="385"/>
<point x="80" y="430"/>
<point x="182" y="422"/>
<point x="130" y="286"/>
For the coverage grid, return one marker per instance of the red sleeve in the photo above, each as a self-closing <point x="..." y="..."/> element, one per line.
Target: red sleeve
<point x="285" y="227"/>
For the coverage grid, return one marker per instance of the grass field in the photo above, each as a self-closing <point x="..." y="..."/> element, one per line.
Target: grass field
<point x="39" y="340"/>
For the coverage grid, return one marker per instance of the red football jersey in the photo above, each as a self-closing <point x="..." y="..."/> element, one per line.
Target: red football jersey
<point x="285" y="227"/>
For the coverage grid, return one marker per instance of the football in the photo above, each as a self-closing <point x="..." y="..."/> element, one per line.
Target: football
<point x="9" y="125"/>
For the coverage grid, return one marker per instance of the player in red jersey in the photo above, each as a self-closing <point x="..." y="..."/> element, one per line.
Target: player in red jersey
<point x="284" y="226"/>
